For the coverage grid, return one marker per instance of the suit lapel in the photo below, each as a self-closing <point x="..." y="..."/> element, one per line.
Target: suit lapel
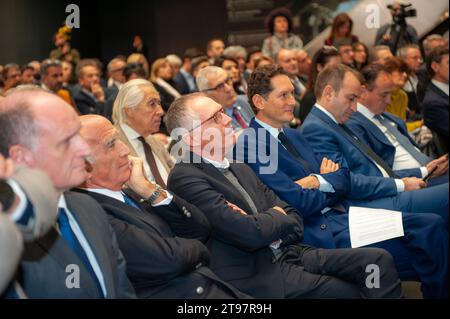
<point x="95" y="240"/>
<point x="365" y="122"/>
<point x="124" y="139"/>
<point x="229" y="188"/>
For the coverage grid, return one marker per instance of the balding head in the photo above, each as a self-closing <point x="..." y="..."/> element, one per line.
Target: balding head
<point x="304" y="62"/>
<point x="41" y="130"/>
<point x="109" y="164"/>
<point x="287" y="60"/>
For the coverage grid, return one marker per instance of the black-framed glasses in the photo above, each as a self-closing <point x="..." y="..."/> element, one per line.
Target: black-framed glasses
<point x="217" y="117"/>
<point x="220" y="86"/>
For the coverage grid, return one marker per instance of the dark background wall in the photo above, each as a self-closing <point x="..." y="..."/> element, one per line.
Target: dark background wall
<point x="107" y="27"/>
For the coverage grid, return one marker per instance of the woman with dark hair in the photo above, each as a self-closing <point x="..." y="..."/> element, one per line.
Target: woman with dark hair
<point x="230" y="65"/>
<point x="361" y="56"/>
<point x="341" y="28"/>
<point x="279" y="24"/>
<point x="327" y="55"/>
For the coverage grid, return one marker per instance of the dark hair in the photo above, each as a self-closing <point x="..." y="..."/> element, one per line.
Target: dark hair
<point x="192" y="53"/>
<point x="333" y="75"/>
<point x="197" y="61"/>
<point x="320" y="57"/>
<point x="209" y="44"/>
<point x="338" y="21"/>
<point x="221" y="59"/>
<point x="260" y="81"/>
<point x="278" y="12"/>
<point x="47" y="64"/>
<point x="134" y="68"/>
<point x="252" y="50"/>
<point x="371" y="73"/>
<point x="396" y="64"/>
<point x="435" y="55"/>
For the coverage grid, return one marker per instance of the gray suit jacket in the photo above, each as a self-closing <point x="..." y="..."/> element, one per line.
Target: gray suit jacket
<point x="44" y="271"/>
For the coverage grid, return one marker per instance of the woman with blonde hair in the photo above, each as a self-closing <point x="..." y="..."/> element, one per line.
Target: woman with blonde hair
<point x="161" y="78"/>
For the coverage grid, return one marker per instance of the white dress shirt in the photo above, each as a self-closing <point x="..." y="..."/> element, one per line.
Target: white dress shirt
<point x="133" y="136"/>
<point x="118" y="195"/>
<point x="398" y="182"/>
<point x="402" y="159"/>
<point x="84" y="243"/>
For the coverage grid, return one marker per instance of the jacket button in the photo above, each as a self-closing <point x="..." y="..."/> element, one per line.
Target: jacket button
<point x="323" y="226"/>
<point x="199" y="290"/>
<point x="187" y="214"/>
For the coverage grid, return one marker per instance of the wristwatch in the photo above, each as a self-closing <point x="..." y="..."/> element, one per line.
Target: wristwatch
<point x="158" y="190"/>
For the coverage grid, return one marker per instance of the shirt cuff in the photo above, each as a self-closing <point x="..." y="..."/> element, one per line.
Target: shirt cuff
<point x="20" y="209"/>
<point x="400" y="185"/>
<point x="424" y="171"/>
<point x="276" y="244"/>
<point x="324" y="187"/>
<point x="166" y="201"/>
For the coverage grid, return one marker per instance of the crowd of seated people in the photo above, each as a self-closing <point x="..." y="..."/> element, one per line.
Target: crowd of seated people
<point x="149" y="176"/>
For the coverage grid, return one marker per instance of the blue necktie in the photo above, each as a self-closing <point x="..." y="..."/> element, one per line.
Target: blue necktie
<point x="69" y="236"/>
<point x="129" y="201"/>
<point x="403" y="140"/>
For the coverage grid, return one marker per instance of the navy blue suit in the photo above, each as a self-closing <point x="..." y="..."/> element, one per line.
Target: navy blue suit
<point x="415" y="256"/>
<point x="327" y="140"/>
<point x="435" y="111"/>
<point x="368" y="132"/>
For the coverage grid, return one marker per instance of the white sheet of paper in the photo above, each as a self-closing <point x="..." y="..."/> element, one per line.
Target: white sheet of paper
<point x="372" y="225"/>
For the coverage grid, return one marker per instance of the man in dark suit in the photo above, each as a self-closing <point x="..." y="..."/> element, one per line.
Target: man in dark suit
<point x="88" y="94"/>
<point x="386" y="134"/>
<point x="159" y="234"/>
<point x="435" y="102"/>
<point x="254" y="236"/>
<point x="321" y="191"/>
<point x="80" y="253"/>
<point x="325" y="130"/>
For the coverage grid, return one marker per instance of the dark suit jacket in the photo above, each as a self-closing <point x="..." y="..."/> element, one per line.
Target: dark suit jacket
<point x="368" y="132"/>
<point x="239" y="244"/>
<point x="181" y="84"/>
<point x="435" y="110"/>
<point x="286" y="170"/>
<point x="159" y="263"/>
<point x="43" y="267"/>
<point x="85" y="103"/>
<point x="326" y="139"/>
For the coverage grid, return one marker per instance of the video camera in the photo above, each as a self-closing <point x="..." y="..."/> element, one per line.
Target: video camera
<point x="406" y="11"/>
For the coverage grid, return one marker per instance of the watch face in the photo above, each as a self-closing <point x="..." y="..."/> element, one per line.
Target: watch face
<point x="7" y="196"/>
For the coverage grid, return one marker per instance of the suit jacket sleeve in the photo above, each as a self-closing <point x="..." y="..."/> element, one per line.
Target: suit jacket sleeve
<point x="248" y="232"/>
<point x="436" y="114"/>
<point x="196" y="226"/>
<point x="155" y="259"/>
<point x="362" y="186"/>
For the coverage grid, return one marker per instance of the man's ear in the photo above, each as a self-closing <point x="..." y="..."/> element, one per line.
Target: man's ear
<point x="127" y="111"/>
<point x="21" y="155"/>
<point x="258" y="101"/>
<point x="435" y="66"/>
<point x="328" y="92"/>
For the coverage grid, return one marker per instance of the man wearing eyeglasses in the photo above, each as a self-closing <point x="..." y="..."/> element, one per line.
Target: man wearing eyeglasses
<point x="254" y="235"/>
<point x="214" y="82"/>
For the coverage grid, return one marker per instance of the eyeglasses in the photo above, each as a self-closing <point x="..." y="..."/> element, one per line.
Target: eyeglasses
<point x="220" y="86"/>
<point x="217" y="117"/>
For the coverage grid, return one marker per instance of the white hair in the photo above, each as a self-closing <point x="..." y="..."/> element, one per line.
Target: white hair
<point x="130" y="95"/>
<point x="205" y="74"/>
<point x="174" y="59"/>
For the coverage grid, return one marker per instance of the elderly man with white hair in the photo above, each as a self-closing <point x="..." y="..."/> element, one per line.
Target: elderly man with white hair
<point x="137" y="114"/>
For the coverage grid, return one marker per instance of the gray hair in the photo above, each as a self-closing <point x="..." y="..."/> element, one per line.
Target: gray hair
<point x="428" y="39"/>
<point x="180" y="115"/>
<point x="402" y="52"/>
<point x="205" y="74"/>
<point x="47" y="64"/>
<point x="109" y="67"/>
<point x="130" y="95"/>
<point x="235" y="51"/>
<point x="174" y="59"/>
<point x="373" y="56"/>
<point x="17" y="120"/>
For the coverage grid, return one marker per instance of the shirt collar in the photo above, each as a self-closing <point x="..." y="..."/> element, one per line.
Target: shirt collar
<point x="442" y="86"/>
<point x="107" y="192"/>
<point x="129" y="132"/>
<point x="272" y="130"/>
<point x="62" y="202"/>
<point x="223" y="165"/>
<point x="365" y="111"/>
<point x="320" y="107"/>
